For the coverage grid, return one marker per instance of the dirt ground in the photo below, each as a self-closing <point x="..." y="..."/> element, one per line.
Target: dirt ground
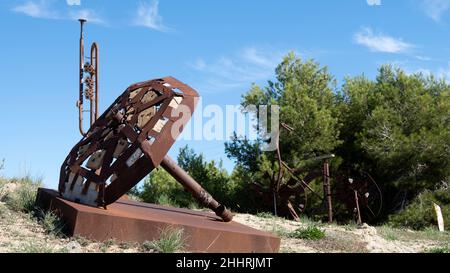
<point x="20" y="232"/>
<point x="349" y="239"/>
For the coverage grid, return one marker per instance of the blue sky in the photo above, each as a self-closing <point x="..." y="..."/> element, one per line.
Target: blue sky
<point x="218" y="47"/>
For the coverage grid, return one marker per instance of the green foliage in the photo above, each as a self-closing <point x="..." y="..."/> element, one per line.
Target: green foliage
<point x="161" y="188"/>
<point x="23" y="198"/>
<point x="247" y="154"/>
<point x="51" y="222"/>
<point x="397" y="129"/>
<point x="439" y="250"/>
<point x="420" y="213"/>
<point x="265" y="215"/>
<point x="304" y="93"/>
<point x="3" y="183"/>
<point x="311" y="232"/>
<point x="170" y="241"/>
<point x="388" y="233"/>
<point x="32" y="247"/>
<point x="213" y="177"/>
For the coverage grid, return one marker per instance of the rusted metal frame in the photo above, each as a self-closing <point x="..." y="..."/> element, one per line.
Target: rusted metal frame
<point x="151" y="124"/>
<point x="139" y="107"/>
<point x="137" y="99"/>
<point x="92" y="148"/>
<point x="119" y="164"/>
<point x="157" y="157"/>
<point x="301" y="180"/>
<point x="186" y="89"/>
<point x="126" y="179"/>
<point x="75" y="178"/>
<point x="85" y="173"/>
<point x="121" y="161"/>
<point x="110" y="147"/>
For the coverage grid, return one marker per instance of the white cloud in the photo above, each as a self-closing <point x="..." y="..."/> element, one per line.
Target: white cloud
<point x="381" y="42"/>
<point x="422" y="58"/>
<point x="436" y="8"/>
<point x="257" y="57"/>
<point x="73" y="2"/>
<point x="87" y="14"/>
<point x="148" y="16"/>
<point x="374" y="2"/>
<point x="44" y="10"/>
<point x="240" y="70"/>
<point x="39" y="9"/>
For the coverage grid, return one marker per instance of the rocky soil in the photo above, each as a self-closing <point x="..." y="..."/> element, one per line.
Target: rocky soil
<point x="19" y="232"/>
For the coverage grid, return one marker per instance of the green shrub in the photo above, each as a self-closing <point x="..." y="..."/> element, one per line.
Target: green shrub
<point x="170" y="241"/>
<point x="165" y="200"/>
<point x="445" y="249"/>
<point x="24" y="197"/>
<point x="32" y="247"/>
<point x="420" y="213"/>
<point x="51" y="222"/>
<point x="279" y="231"/>
<point x="161" y="188"/>
<point x="308" y="233"/>
<point x="265" y="215"/>
<point x="3" y="183"/>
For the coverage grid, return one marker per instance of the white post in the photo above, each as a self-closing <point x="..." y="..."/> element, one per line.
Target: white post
<point x="440" y="219"/>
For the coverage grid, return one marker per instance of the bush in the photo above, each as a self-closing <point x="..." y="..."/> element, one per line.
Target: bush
<point x="24" y="197"/>
<point x="308" y="233"/>
<point x="439" y="250"/>
<point x="51" y="223"/>
<point x="170" y="241"/>
<point x="420" y="213"/>
<point x="161" y="188"/>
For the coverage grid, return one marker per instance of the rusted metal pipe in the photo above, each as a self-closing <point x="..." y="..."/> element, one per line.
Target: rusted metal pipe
<point x="81" y="79"/>
<point x="95" y="56"/>
<point x="357" y="208"/>
<point x="92" y="91"/>
<point x="327" y="190"/>
<point x="195" y="189"/>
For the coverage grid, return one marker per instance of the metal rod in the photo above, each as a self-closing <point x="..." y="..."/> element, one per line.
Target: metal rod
<point x="357" y="208"/>
<point x="81" y="81"/>
<point x="327" y="190"/>
<point x="97" y="75"/>
<point x="195" y="189"/>
<point x="92" y="93"/>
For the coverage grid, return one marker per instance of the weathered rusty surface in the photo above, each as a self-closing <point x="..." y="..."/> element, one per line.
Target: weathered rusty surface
<point x="128" y="141"/>
<point x="130" y="221"/>
<point x="91" y="92"/>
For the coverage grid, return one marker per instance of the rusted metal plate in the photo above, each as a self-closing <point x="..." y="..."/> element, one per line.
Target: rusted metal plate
<point x="130" y="221"/>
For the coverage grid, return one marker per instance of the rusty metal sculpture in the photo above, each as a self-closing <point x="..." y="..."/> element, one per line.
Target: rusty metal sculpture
<point x="128" y="141"/>
<point x="91" y="92"/>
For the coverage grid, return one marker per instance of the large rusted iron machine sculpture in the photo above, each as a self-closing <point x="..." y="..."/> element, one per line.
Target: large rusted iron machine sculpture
<point x="129" y="140"/>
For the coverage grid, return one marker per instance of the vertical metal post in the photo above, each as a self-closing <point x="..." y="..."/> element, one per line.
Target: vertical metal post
<point x="327" y="189"/>
<point x="81" y="79"/>
<point x="357" y="208"/>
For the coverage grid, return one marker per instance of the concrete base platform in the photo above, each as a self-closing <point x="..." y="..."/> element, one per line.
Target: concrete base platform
<point x="131" y="221"/>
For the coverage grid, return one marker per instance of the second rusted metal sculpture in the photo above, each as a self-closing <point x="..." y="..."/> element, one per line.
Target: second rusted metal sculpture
<point x="128" y="141"/>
